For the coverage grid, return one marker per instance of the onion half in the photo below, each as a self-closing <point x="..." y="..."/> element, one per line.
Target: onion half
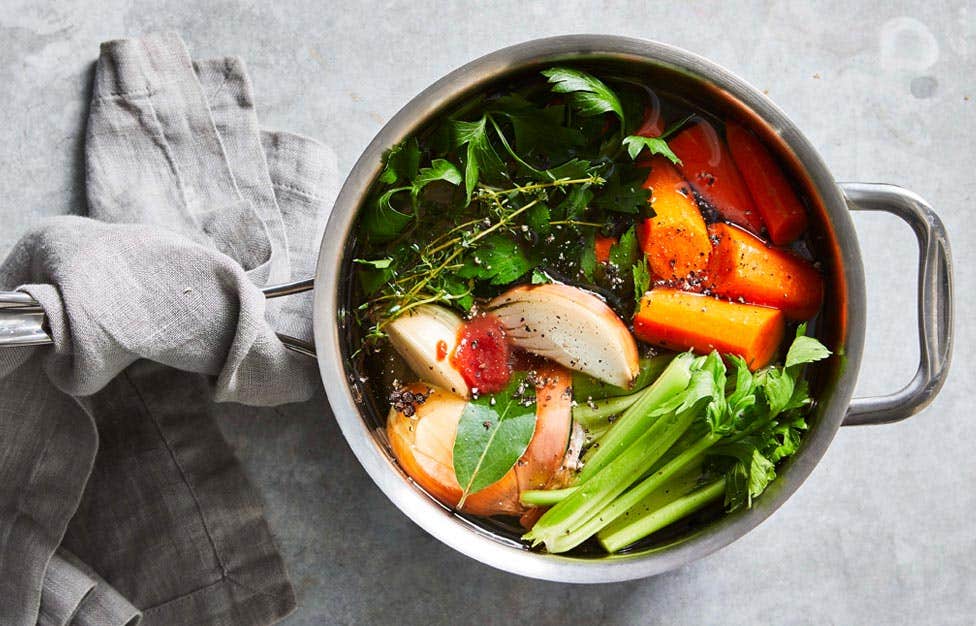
<point x="423" y="444"/>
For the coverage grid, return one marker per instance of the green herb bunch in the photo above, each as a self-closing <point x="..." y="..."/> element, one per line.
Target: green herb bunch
<point x="509" y="187"/>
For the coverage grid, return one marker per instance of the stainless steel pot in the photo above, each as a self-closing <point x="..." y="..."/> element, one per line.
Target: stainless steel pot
<point x="691" y="76"/>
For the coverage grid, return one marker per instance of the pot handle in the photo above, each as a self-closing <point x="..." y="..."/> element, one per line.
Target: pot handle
<point x="287" y="289"/>
<point x="22" y="321"/>
<point x="935" y="303"/>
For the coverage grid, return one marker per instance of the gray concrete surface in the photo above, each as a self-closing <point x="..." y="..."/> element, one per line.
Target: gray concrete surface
<point x="882" y="533"/>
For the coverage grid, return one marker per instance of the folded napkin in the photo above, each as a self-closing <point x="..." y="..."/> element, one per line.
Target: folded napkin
<point x="120" y="501"/>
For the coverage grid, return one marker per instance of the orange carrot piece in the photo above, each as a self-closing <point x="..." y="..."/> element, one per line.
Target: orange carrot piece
<point x="706" y="163"/>
<point x="675" y="240"/>
<point x="679" y="320"/>
<point x="743" y="266"/>
<point x="601" y="248"/>
<point x="775" y="199"/>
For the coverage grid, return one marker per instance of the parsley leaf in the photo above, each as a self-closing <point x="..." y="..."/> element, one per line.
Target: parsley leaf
<point x="382" y="221"/>
<point x="373" y="279"/>
<point x="481" y="160"/>
<point x="624" y="257"/>
<point x="655" y="145"/>
<point x="401" y="162"/>
<point x="492" y="435"/>
<point x="589" y="95"/>
<point x="540" y="133"/>
<point x="440" y="169"/>
<point x="380" y="264"/>
<point x="805" y="349"/>
<point x="498" y="259"/>
<point x="460" y="291"/>
<point x="538" y="218"/>
<point x="642" y="279"/>
<point x="574" y="205"/>
<point x="634" y="101"/>
<point x="624" y="191"/>
<point x="624" y="253"/>
<point x="587" y="260"/>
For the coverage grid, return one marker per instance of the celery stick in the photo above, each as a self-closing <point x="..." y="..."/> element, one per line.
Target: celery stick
<point x="588" y="388"/>
<point x="594" y="435"/>
<point x="615" y="538"/>
<point x="597" y="414"/>
<point x="679" y="485"/>
<point x="639" y="416"/>
<point x="690" y="456"/>
<point x="691" y="437"/>
<point x="545" y="497"/>
<point x="593" y="495"/>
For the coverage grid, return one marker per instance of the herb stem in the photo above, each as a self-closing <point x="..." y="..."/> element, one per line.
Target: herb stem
<point x="560" y="182"/>
<point x="457" y="228"/>
<point x="575" y="223"/>
<point x="429" y="300"/>
<point x="673" y="128"/>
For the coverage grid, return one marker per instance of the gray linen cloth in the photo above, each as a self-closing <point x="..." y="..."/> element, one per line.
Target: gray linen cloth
<point x="120" y="501"/>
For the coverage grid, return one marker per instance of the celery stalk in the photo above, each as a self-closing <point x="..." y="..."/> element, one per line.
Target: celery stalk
<point x="679" y="485"/>
<point x="639" y="416"/>
<point x="616" y="537"/>
<point x="592" y="496"/>
<point x="594" y="435"/>
<point x="597" y="414"/>
<point x="588" y="388"/>
<point x="545" y="497"/>
<point x="690" y="456"/>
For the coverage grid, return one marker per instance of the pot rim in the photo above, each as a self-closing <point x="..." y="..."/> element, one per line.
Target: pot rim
<point x="461" y="534"/>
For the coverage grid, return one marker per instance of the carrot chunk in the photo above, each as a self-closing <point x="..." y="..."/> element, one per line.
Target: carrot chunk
<point x="706" y="163"/>
<point x="743" y="266"/>
<point x="679" y="320"/>
<point x="774" y="197"/>
<point x="675" y="240"/>
<point x="601" y="248"/>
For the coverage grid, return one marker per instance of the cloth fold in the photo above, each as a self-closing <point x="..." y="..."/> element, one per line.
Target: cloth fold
<point x="119" y="498"/>
<point x="66" y="586"/>
<point x="74" y="594"/>
<point x="116" y="293"/>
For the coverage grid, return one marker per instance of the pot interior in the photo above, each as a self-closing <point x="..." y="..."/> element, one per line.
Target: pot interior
<point x="679" y="84"/>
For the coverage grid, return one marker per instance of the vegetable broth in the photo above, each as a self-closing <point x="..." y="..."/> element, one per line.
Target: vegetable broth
<point x="556" y="253"/>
